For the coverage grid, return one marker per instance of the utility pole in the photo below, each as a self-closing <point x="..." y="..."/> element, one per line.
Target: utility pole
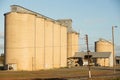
<point x="89" y="70"/>
<point x="114" y="59"/>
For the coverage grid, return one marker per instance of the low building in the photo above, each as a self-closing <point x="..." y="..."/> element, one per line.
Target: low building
<point x="96" y="58"/>
<point x="117" y="60"/>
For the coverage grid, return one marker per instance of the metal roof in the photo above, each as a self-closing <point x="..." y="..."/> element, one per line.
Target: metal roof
<point x="94" y="54"/>
<point x="117" y="57"/>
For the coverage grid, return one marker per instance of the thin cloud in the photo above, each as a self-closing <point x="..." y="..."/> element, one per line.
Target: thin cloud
<point x="1" y="35"/>
<point x="1" y="46"/>
<point x="117" y="49"/>
<point x="94" y="21"/>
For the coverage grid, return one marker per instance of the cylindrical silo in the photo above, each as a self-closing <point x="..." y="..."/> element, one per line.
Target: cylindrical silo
<point x="40" y="43"/>
<point x="57" y="45"/>
<point x="75" y="42"/>
<point x="69" y="44"/>
<point x="104" y="46"/>
<point x="73" y="39"/>
<point x="19" y="40"/>
<point x="48" y="44"/>
<point x="63" y="44"/>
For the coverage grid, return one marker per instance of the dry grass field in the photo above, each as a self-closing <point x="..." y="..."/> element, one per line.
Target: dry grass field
<point x="80" y="73"/>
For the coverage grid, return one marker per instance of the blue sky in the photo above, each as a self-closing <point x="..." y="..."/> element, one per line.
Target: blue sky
<point x="92" y="17"/>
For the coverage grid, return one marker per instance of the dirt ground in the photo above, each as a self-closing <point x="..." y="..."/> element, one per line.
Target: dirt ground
<point x="79" y="73"/>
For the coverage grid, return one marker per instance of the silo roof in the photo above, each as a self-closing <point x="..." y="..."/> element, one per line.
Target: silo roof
<point x="103" y="40"/>
<point x="17" y="8"/>
<point x="71" y="30"/>
<point x="20" y="9"/>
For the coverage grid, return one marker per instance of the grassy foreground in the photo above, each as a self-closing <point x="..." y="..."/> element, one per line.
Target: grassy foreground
<point x="80" y="73"/>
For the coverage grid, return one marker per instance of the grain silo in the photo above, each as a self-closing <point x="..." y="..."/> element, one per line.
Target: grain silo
<point x="72" y="42"/>
<point x="19" y="38"/>
<point x="104" y="46"/>
<point x="40" y="40"/>
<point x="72" y="38"/>
<point x="63" y="46"/>
<point x="34" y="41"/>
<point x="48" y="43"/>
<point x="57" y="43"/>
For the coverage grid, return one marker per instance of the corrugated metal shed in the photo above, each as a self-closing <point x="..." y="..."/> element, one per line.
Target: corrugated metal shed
<point x="94" y="54"/>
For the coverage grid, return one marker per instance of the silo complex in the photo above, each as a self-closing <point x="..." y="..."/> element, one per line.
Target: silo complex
<point x="34" y="41"/>
<point x="104" y="46"/>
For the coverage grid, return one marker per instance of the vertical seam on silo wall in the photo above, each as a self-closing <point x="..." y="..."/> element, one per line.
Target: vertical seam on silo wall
<point x="35" y="43"/>
<point x="53" y="46"/>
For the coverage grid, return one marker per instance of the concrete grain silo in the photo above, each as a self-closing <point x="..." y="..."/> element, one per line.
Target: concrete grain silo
<point x="48" y="44"/>
<point x="40" y="40"/>
<point x="57" y="44"/>
<point x="19" y="38"/>
<point x="104" y="46"/>
<point x="72" y="38"/>
<point x="63" y="46"/>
